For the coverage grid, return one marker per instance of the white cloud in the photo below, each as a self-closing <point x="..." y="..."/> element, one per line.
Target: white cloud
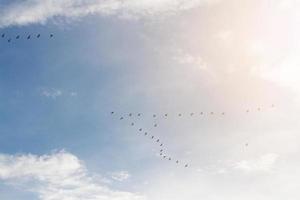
<point x="120" y="176"/>
<point x="59" y="176"/>
<point x="265" y="164"/>
<point x="40" y="11"/>
<point x="51" y="92"/>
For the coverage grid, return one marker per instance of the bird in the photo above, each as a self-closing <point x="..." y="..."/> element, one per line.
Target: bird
<point x="51" y="35"/>
<point x="161" y="144"/>
<point x="170" y="158"/>
<point x="112" y="112"/>
<point x="192" y="114"/>
<point x="154" y="115"/>
<point x="186" y="166"/>
<point x="165" y="156"/>
<point x="121" y="118"/>
<point x="146" y="133"/>
<point x="9" y="40"/>
<point x="38" y="35"/>
<point x="161" y="150"/>
<point x="157" y="140"/>
<point x="201" y="113"/>
<point x="177" y="161"/>
<point x="130" y="114"/>
<point x="132" y="124"/>
<point x="3" y="35"/>
<point x="179" y="114"/>
<point x="140" y="129"/>
<point x="155" y="125"/>
<point x="28" y="37"/>
<point x="166" y="115"/>
<point x="152" y="137"/>
<point x="139" y="114"/>
<point x="160" y="154"/>
<point x="17" y="37"/>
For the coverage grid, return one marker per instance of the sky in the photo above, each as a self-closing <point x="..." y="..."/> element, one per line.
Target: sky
<point x="59" y="140"/>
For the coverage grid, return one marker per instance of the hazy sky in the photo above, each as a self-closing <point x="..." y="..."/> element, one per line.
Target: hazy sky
<point x="58" y="140"/>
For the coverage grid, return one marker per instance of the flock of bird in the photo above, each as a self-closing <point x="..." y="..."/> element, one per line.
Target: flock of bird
<point x="158" y="141"/>
<point x="28" y="37"/>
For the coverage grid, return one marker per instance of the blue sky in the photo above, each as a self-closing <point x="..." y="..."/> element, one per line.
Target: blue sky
<point x="58" y="139"/>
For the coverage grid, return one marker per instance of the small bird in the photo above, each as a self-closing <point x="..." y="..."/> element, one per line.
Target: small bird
<point x="132" y="124"/>
<point x="247" y="111"/>
<point x="157" y="140"/>
<point x="201" y="113"/>
<point x="146" y="133"/>
<point x="223" y="113"/>
<point x="211" y="113"/>
<point x="155" y="125"/>
<point x="160" y="154"/>
<point x="51" y="35"/>
<point x="192" y="114"/>
<point x="140" y="129"/>
<point x="161" y="144"/>
<point x="246" y="144"/>
<point x="28" y="37"/>
<point x="177" y="161"/>
<point x="17" y="37"/>
<point x="166" y="115"/>
<point x="165" y="156"/>
<point x="112" y="112"/>
<point x="170" y="159"/>
<point x="152" y="137"/>
<point x="154" y="115"/>
<point x="130" y="114"/>
<point x="38" y="35"/>
<point x="139" y="114"/>
<point x="121" y="118"/>
<point x="161" y="150"/>
<point x="186" y="166"/>
<point x="3" y="35"/>
<point x="179" y="114"/>
<point x="9" y="40"/>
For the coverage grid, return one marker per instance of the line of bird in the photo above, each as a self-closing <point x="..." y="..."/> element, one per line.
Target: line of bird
<point x="157" y="141"/>
<point x="28" y="37"/>
<point x="258" y="109"/>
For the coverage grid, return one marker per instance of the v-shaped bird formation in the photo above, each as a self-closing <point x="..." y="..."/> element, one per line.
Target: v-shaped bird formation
<point x="15" y="38"/>
<point x="160" y="144"/>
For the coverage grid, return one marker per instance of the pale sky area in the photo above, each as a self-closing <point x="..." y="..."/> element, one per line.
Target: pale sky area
<point x="235" y="61"/>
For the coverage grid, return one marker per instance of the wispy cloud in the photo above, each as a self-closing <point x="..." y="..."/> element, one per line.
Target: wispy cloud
<point x="59" y="176"/>
<point x="40" y="11"/>
<point x="265" y="164"/>
<point x="120" y="176"/>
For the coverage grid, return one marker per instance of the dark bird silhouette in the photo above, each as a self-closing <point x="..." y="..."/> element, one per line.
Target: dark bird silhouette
<point x="9" y="40"/>
<point x="152" y="137"/>
<point x="166" y="115"/>
<point x="17" y="37"/>
<point x="155" y="125"/>
<point x="132" y="124"/>
<point x="38" y="35"/>
<point x="157" y="140"/>
<point x="51" y="35"/>
<point x="186" y="166"/>
<point x="161" y="150"/>
<point x="165" y="156"/>
<point x="177" y="161"/>
<point x="139" y="114"/>
<point x="160" y="154"/>
<point x="28" y="37"/>
<point x="161" y="144"/>
<point x="211" y="113"/>
<point x="154" y="115"/>
<point x="179" y="114"/>
<point x="112" y="112"/>
<point x="223" y="113"/>
<point x="130" y="114"/>
<point x="170" y="159"/>
<point x="146" y="133"/>
<point x="3" y="35"/>
<point x="201" y="113"/>
<point x="140" y="129"/>
<point x="121" y="118"/>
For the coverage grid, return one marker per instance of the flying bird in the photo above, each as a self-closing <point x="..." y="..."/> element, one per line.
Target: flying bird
<point x="166" y="115"/>
<point x="130" y="114"/>
<point x="154" y="115"/>
<point x="28" y="37"/>
<point x="157" y="140"/>
<point x="17" y="37"/>
<point x="121" y="118"/>
<point x="155" y="125"/>
<point x="161" y="144"/>
<point x="3" y="35"/>
<point x="152" y="137"/>
<point x="146" y="133"/>
<point x="179" y="114"/>
<point x="132" y="124"/>
<point x="38" y="35"/>
<point x="186" y="166"/>
<point x="112" y="112"/>
<point x="170" y="158"/>
<point x="140" y="129"/>
<point x="161" y="150"/>
<point x="51" y="35"/>
<point x="201" y="113"/>
<point x="177" y="161"/>
<point x="139" y="114"/>
<point x="9" y="40"/>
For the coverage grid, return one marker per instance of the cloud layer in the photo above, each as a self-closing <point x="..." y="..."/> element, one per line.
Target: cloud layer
<point x="59" y="176"/>
<point x="40" y="11"/>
